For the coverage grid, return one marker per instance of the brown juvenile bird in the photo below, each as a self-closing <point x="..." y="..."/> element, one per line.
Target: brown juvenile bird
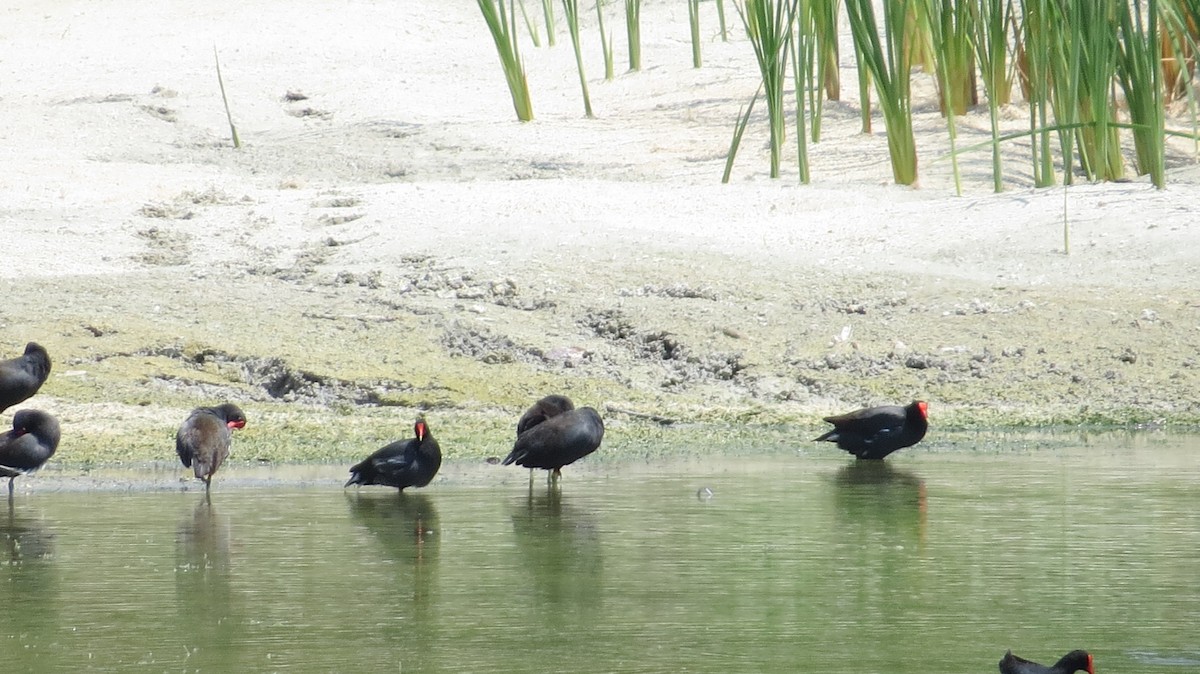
<point x="21" y="377"/>
<point x="31" y="442"/>
<point x="202" y="442"/>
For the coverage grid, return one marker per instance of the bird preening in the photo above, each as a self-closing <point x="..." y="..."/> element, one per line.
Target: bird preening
<point x="875" y="432"/>
<point x="552" y="434"/>
<point x="1075" y="661"/>
<point x="21" y="377"/>
<point x="550" y="406"/>
<point x="31" y="442"/>
<point x="401" y="464"/>
<point x="35" y="434"/>
<point x="203" y="440"/>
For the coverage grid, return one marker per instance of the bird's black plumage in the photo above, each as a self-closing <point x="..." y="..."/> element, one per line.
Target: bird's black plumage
<point x="875" y="432"/>
<point x="401" y="464"/>
<point x="1075" y="661"/>
<point x="558" y="440"/>
<point x="550" y="406"/>
<point x="21" y="377"/>
<point x="31" y="442"/>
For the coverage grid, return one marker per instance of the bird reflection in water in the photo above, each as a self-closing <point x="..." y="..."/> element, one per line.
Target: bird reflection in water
<point x="406" y="524"/>
<point x="25" y="539"/>
<point x="204" y="540"/>
<point x="562" y="555"/>
<point x="212" y="613"/>
<point x="29" y="577"/>
<point x="407" y="528"/>
<point x="879" y="496"/>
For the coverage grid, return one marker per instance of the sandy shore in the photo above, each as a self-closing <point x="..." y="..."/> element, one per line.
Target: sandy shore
<point x="396" y="240"/>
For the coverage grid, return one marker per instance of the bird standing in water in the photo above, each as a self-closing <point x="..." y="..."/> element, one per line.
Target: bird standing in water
<point x="552" y="434"/>
<point x="203" y="440"/>
<point x="402" y="464"/>
<point x="31" y="442"/>
<point x="875" y="432"/>
<point x="1075" y="661"/>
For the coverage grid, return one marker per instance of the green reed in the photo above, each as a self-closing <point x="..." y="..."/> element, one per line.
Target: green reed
<point x="945" y="48"/>
<point x="739" y="129"/>
<point x="605" y="41"/>
<point x="819" y="19"/>
<point x="769" y="25"/>
<point x="1042" y="63"/>
<point x="694" y="23"/>
<point x="571" y="9"/>
<point x="548" y="13"/>
<point x="530" y="26"/>
<point x="802" y="47"/>
<point x="237" y="142"/>
<point x="502" y="26"/>
<point x="1139" y="73"/>
<point x="889" y="66"/>
<point x="991" y="50"/>
<point x="633" y="32"/>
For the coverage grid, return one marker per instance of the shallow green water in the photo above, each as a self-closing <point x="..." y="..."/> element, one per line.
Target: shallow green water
<point x="935" y="561"/>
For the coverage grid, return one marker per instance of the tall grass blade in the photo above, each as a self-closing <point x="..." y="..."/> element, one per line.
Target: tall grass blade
<point x="864" y="89"/>
<point x="1178" y="35"/>
<point x="738" y="130"/>
<point x="825" y="28"/>
<point x="548" y="12"/>
<point x="1139" y="71"/>
<point x="237" y="142"/>
<point x="605" y="41"/>
<point x="530" y="26"/>
<point x="694" y="22"/>
<point x="1037" y="55"/>
<point x="769" y="25"/>
<point x="721" y="20"/>
<point x="995" y="19"/>
<point x="1066" y="225"/>
<point x="802" y="74"/>
<point x="818" y="21"/>
<point x="633" y="32"/>
<point x="944" y="46"/>
<point x="890" y="71"/>
<point x="505" y="36"/>
<point x="1100" y="145"/>
<point x="571" y="8"/>
<point x="991" y="49"/>
<point x="951" y="26"/>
